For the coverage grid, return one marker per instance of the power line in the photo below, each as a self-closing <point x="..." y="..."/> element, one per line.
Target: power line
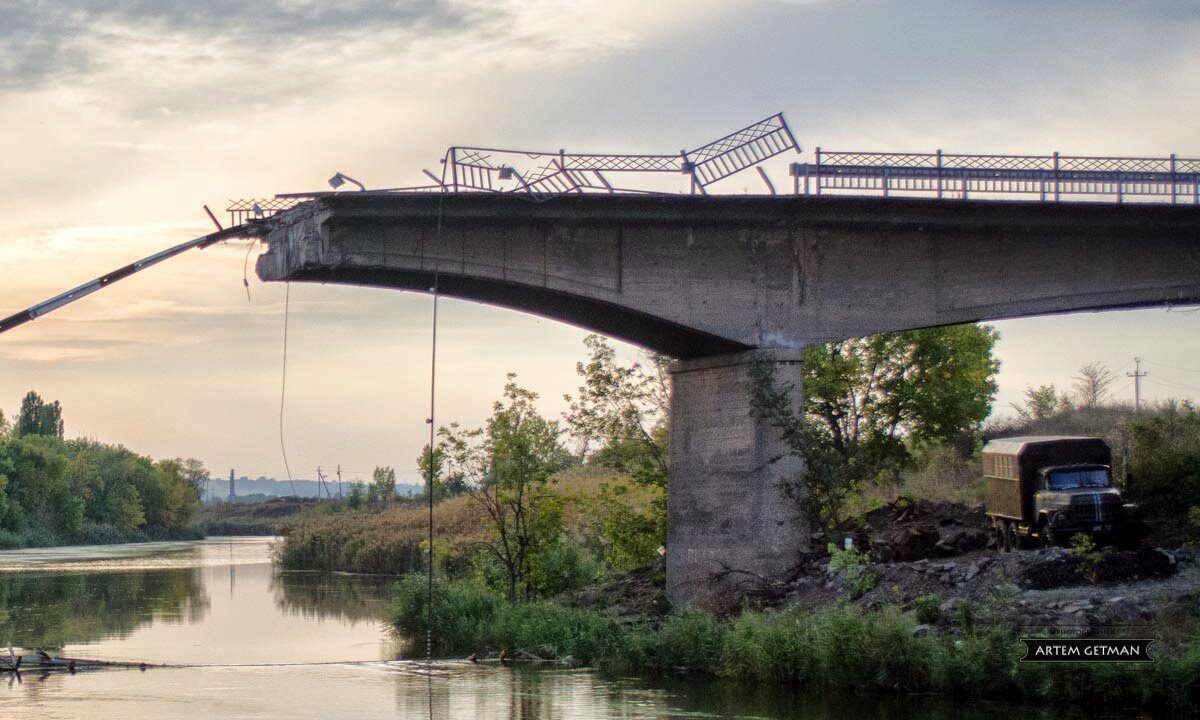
<point x="1174" y="385"/>
<point x="1172" y="367"/>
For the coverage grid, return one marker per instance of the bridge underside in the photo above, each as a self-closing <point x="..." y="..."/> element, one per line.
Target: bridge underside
<point x="715" y="280"/>
<point x="639" y="328"/>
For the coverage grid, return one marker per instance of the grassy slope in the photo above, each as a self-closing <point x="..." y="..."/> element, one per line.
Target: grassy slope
<point x="390" y="540"/>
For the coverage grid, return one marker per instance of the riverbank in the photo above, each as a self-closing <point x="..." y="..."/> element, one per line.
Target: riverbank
<point x="264" y="519"/>
<point x="970" y="650"/>
<point x="96" y="534"/>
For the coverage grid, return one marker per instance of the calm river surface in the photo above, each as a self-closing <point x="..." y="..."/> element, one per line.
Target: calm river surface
<point x="265" y="644"/>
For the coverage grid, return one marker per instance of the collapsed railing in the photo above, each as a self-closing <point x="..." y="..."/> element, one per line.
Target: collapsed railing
<point x="1052" y="177"/>
<point x="543" y="174"/>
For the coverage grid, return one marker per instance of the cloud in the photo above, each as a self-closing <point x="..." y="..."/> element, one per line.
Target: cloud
<point x="42" y="41"/>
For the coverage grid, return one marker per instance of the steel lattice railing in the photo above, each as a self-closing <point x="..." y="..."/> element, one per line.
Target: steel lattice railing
<point x="1049" y="177"/>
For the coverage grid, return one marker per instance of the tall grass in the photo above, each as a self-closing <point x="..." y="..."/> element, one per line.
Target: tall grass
<point x="468" y="617"/>
<point x="392" y="540"/>
<point x="839" y="647"/>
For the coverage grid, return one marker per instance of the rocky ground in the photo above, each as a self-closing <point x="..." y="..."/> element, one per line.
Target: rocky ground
<point x="924" y="555"/>
<point x="938" y="561"/>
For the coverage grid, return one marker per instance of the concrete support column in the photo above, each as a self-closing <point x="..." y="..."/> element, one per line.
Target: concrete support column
<point x="725" y="505"/>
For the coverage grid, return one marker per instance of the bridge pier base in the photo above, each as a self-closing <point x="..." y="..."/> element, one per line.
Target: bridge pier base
<point x="725" y="507"/>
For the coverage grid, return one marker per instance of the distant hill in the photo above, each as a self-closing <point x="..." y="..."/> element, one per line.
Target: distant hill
<point x="270" y="487"/>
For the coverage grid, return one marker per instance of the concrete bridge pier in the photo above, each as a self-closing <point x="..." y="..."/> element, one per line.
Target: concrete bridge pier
<point x="725" y="506"/>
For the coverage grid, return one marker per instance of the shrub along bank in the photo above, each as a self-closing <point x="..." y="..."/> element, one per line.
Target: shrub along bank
<point x="841" y="647"/>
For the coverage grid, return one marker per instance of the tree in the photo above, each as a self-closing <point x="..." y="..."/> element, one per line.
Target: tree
<point x="619" y="419"/>
<point x="383" y="485"/>
<point x="38" y="417"/>
<point x="447" y="481"/>
<point x="1092" y="385"/>
<point x="356" y="496"/>
<point x="828" y="480"/>
<point x="620" y="415"/>
<point x="507" y="465"/>
<point x="5" y="426"/>
<point x="1042" y="402"/>
<point x="928" y="385"/>
<point x="869" y="400"/>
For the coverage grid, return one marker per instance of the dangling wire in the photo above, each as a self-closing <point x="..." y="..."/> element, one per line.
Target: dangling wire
<point x="287" y="304"/>
<point x="246" y="268"/>
<point x="432" y="446"/>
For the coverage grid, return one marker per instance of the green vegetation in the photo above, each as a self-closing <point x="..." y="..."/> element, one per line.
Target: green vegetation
<point x="266" y="517"/>
<point x="383" y="486"/>
<point x="874" y="406"/>
<point x="839" y="647"/>
<point x="619" y="418"/>
<point x="927" y="609"/>
<point x="508" y="465"/>
<point x="515" y="509"/>
<point x="330" y="536"/>
<point x="55" y="491"/>
<point x="859" y="580"/>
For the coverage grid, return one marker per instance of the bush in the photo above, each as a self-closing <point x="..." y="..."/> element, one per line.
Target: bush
<point x="690" y="640"/>
<point x="859" y="580"/>
<point x="464" y="613"/>
<point x="927" y="609"/>
<point x="561" y="567"/>
<point x="1165" y="453"/>
<point x="9" y="540"/>
<point x="470" y="618"/>
<point x="840" y="647"/>
<point x="39" y="536"/>
<point x="102" y="534"/>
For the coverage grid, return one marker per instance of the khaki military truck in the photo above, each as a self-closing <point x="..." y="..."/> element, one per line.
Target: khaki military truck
<point x="1050" y="488"/>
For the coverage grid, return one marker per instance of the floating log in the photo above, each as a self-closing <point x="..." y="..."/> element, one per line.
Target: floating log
<point x="42" y="660"/>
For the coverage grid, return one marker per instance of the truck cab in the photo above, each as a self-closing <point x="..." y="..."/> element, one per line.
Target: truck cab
<point x="1074" y="499"/>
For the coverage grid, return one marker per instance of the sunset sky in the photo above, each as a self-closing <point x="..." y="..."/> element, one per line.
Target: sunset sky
<point x="119" y="120"/>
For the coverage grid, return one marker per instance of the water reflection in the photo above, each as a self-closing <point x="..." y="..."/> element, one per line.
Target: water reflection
<point x="51" y="610"/>
<point x="324" y="596"/>
<point x="306" y="645"/>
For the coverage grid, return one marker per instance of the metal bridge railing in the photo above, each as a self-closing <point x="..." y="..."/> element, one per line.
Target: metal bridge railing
<point x="1052" y="177"/>
<point x="1048" y="177"/>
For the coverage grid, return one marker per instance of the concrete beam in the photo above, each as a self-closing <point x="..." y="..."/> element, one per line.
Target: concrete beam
<point x="699" y="276"/>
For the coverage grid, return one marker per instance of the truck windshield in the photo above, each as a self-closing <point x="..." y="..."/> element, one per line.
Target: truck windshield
<point x="1071" y="479"/>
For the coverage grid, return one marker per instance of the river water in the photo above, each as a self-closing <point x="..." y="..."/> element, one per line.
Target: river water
<point x="252" y="642"/>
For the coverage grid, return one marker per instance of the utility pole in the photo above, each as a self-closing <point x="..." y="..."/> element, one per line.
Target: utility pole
<point x="339" y="471"/>
<point x="1137" y="376"/>
<point x="320" y="483"/>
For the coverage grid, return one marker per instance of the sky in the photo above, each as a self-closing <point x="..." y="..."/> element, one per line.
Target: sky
<point x="119" y="120"/>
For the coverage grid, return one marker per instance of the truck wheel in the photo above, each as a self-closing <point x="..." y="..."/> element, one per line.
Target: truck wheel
<point x="998" y="532"/>
<point x="1046" y="535"/>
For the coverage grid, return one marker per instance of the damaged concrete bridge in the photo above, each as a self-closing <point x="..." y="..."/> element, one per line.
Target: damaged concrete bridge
<point x="716" y="280"/>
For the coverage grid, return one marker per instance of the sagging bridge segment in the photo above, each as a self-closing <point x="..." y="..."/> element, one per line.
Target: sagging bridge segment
<point x="715" y="280"/>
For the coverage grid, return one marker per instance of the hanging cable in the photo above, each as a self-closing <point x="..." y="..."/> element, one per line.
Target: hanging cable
<point x="432" y="438"/>
<point x="287" y="304"/>
<point x="246" y="268"/>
